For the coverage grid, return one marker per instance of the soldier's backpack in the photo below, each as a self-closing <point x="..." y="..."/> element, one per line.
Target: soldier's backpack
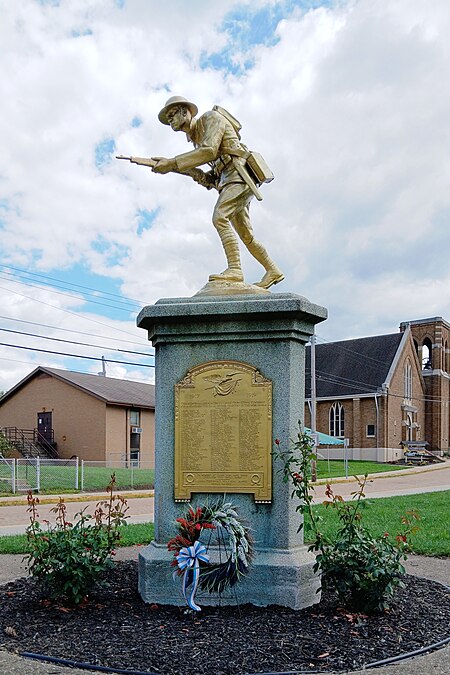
<point x="255" y="161"/>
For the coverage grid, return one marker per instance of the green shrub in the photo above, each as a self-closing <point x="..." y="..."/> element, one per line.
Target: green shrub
<point x="70" y="557"/>
<point x="5" y="447"/>
<point x="363" y="569"/>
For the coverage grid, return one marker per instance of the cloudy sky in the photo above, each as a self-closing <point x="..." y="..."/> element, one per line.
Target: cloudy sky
<point x="348" y="101"/>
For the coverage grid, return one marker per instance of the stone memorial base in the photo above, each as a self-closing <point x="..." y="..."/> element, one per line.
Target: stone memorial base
<point x="277" y="577"/>
<point x="268" y="332"/>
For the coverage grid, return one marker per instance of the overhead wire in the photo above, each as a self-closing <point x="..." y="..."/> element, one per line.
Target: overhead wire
<point x="345" y="382"/>
<point x="74" y="294"/>
<point x="66" y="311"/>
<point x="337" y="345"/>
<point x="73" y="342"/>
<point x="70" y="283"/>
<point x="71" y="370"/>
<point x="67" y="330"/>
<point x="77" y="356"/>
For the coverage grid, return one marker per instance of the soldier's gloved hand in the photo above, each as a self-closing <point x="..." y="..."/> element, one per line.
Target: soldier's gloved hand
<point x="164" y="165"/>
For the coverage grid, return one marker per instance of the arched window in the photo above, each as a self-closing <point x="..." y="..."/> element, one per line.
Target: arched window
<point x="427" y="363"/>
<point x="407" y="381"/>
<point x="337" y="420"/>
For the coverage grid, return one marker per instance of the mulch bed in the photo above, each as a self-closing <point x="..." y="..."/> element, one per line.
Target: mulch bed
<point x="116" y="629"/>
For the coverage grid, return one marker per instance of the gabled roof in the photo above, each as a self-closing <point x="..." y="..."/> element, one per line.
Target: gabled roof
<point x="352" y="367"/>
<point x="108" y="389"/>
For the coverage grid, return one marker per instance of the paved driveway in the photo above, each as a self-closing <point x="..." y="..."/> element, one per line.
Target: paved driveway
<point x="14" y="519"/>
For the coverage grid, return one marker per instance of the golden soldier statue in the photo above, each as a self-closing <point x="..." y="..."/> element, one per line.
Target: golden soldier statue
<point x="235" y="172"/>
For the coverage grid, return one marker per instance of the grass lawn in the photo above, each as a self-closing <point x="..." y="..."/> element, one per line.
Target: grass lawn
<point x="140" y="533"/>
<point x="379" y="515"/>
<point x="383" y="515"/>
<point x="336" y="468"/>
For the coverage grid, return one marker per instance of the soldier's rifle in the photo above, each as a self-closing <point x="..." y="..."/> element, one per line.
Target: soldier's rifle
<point x="197" y="175"/>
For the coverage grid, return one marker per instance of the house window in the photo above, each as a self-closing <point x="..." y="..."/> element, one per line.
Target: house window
<point x="370" y="430"/>
<point x="337" y="420"/>
<point x="135" y="437"/>
<point x="135" y="448"/>
<point x="407" y="381"/>
<point x="135" y="418"/>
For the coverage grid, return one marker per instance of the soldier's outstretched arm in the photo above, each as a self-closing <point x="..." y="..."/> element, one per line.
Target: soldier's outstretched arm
<point x="164" y="165"/>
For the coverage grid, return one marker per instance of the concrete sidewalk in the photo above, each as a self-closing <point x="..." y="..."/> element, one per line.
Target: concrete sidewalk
<point x="14" y="518"/>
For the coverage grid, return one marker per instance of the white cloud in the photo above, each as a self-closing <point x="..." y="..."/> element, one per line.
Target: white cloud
<point x="349" y="107"/>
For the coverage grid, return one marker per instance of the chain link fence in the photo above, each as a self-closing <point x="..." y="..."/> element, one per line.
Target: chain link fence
<point x="72" y="475"/>
<point x="95" y="476"/>
<point x="7" y="474"/>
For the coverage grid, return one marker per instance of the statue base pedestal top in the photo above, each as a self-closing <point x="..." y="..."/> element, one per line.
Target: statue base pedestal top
<point x="218" y="288"/>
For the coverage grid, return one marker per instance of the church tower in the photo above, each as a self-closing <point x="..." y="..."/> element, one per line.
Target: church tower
<point x="432" y="341"/>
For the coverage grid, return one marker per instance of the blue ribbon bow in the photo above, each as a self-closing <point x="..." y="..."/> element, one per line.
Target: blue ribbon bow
<point x="188" y="560"/>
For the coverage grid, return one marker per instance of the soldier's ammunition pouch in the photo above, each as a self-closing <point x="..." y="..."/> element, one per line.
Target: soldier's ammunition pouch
<point x="258" y="166"/>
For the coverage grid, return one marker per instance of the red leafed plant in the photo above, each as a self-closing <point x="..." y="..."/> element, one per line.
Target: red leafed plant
<point x="190" y="528"/>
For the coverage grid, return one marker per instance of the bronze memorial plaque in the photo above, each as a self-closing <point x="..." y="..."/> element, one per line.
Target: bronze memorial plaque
<point x="223" y="431"/>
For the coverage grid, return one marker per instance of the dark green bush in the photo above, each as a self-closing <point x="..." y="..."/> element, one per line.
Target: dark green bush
<point x="363" y="569"/>
<point x="70" y="557"/>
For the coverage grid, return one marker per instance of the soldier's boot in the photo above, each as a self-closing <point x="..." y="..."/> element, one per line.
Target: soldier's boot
<point x="273" y="273"/>
<point x="231" y="248"/>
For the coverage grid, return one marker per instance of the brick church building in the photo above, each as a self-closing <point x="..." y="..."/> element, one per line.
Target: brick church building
<point x="383" y="391"/>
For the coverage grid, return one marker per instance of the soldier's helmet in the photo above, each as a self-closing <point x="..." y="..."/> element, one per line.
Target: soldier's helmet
<point x="172" y="102"/>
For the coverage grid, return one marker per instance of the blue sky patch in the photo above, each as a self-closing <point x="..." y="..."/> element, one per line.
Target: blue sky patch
<point x="97" y="289"/>
<point x="114" y="253"/>
<point x="81" y="33"/>
<point x="104" y="151"/>
<point x="4" y="207"/>
<point x="145" y="219"/>
<point x="247" y="27"/>
<point x="136" y="122"/>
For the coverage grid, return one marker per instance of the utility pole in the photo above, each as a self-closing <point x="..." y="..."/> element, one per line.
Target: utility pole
<point x="313" y="405"/>
<point x="102" y="373"/>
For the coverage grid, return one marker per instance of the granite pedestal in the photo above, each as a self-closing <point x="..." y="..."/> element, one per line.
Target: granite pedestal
<point x="268" y="332"/>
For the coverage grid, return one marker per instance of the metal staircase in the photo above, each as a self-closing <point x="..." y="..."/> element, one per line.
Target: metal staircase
<point x="29" y="442"/>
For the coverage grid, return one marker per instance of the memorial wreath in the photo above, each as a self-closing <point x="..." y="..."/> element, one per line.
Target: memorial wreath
<point x="191" y="559"/>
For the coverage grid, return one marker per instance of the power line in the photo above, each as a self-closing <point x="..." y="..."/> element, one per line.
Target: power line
<point x="73" y="342"/>
<point x="345" y="382"/>
<point x="77" y="356"/>
<point x="67" y="330"/>
<point x="68" y="295"/>
<point x="67" y="311"/>
<point x="337" y="345"/>
<point x="70" y="283"/>
<point x="52" y="365"/>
